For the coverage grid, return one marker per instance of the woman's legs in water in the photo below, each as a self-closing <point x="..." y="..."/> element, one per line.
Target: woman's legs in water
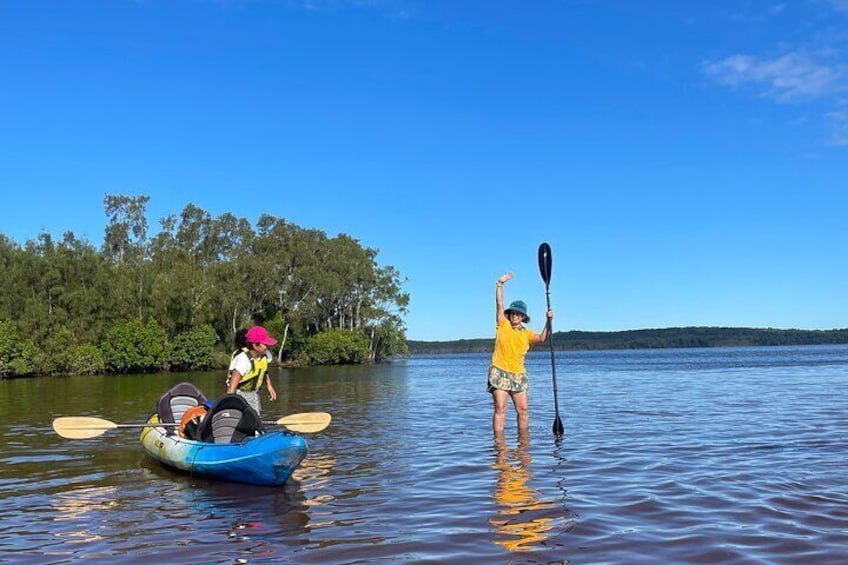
<point x="499" y="399"/>
<point x="522" y="410"/>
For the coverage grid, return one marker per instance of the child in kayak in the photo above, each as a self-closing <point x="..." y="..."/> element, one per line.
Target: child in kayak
<point x="507" y="375"/>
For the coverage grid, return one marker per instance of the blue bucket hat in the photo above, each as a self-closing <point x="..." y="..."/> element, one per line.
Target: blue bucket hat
<point x="520" y="307"/>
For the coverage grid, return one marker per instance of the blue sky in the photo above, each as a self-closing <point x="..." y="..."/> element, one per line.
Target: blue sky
<point x="687" y="161"/>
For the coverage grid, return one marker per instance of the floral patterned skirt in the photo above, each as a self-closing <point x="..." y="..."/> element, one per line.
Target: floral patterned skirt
<point x="252" y="398"/>
<point x="504" y="380"/>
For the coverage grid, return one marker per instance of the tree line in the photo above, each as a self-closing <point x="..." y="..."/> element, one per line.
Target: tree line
<point x="175" y="299"/>
<point x="652" y="338"/>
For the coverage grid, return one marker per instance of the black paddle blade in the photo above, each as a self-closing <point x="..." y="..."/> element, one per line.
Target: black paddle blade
<point x="545" y="261"/>
<point x="559" y="429"/>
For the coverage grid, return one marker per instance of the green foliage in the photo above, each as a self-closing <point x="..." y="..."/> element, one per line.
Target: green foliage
<point x="57" y="355"/>
<point x="388" y="340"/>
<point x="135" y="347"/>
<point x="199" y="271"/>
<point x="193" y="349"/>
<point x="220" y="359"/>
<point x="17" y="356"/>
<point x="86" y="359"/>
<point x="54" y="355"/>
<point x="336" y="347"/>
<point x="9" y="344"/>
<point x="651" y="339"/>
<point x="25" y="361"/>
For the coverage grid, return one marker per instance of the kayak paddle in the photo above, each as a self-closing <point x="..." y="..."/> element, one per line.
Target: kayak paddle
<point x="545" y="263"/>
<point x="85" y="427"/>
<point x="305" y="422"/>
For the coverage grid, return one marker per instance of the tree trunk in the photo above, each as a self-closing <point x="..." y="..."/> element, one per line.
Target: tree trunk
<point x="283" y="342"/>
<point x="372" y="346"/>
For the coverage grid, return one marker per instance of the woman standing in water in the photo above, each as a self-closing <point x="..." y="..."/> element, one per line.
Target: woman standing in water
<point x="507" y="375"/>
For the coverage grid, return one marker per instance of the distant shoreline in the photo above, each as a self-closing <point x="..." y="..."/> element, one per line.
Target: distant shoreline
<point x="651" y="339"/>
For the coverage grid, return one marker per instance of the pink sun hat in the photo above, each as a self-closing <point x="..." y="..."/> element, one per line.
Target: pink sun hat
<point x="258" y="334"/>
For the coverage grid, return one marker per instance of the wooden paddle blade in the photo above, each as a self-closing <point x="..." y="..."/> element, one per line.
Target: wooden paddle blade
<point x="306" y="422"/>
<point x="545" y="262"/>
<point x="82" y="427"/>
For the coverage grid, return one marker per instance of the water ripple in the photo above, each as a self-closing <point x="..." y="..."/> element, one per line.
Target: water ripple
<point x="679" y="456"/>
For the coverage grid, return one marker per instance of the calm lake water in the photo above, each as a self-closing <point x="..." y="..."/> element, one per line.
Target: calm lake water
<point x="670" y="456"/>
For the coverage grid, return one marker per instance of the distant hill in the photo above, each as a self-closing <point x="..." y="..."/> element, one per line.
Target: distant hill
<point x="651" y="339"/>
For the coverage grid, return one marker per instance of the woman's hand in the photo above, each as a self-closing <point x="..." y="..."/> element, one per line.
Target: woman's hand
<point x="504" y="277"/>
<point x="271" y="392"/>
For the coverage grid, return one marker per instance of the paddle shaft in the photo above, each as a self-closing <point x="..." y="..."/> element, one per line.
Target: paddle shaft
<point x="553" y="355"/>
<point x="85" y="427"/>
<point x="111" y="426"/>
<point x="545" y="265"/>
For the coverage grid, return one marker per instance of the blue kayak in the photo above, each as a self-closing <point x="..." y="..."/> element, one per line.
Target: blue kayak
<point x="268" y="459"/>
<point x="230" y="442"/>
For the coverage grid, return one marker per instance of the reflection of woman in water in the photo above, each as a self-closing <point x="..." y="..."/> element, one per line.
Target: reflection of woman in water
<point x="515" y="525"/>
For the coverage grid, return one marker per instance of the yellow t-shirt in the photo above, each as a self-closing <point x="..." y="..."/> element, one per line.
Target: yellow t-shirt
<point x="511" y="345"/>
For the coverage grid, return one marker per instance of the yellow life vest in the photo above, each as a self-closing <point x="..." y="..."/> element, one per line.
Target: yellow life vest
<point x="255" y="378"/>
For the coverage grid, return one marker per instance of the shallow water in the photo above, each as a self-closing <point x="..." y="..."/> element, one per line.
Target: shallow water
<point x="682" y="456"/>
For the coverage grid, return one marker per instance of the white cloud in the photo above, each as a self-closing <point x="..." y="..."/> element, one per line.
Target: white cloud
<point x="792" y="77"/>
<point x="838" y="125"/>
<point x="812" y="71"/>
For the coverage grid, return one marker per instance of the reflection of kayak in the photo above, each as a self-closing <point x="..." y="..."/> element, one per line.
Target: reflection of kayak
<point x="268" y="459"/>
<point x="230" y="442"/>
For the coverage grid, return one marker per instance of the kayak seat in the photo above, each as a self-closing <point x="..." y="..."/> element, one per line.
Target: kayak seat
<point x="231" y="420"/>
<point x="174" y="403"/>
